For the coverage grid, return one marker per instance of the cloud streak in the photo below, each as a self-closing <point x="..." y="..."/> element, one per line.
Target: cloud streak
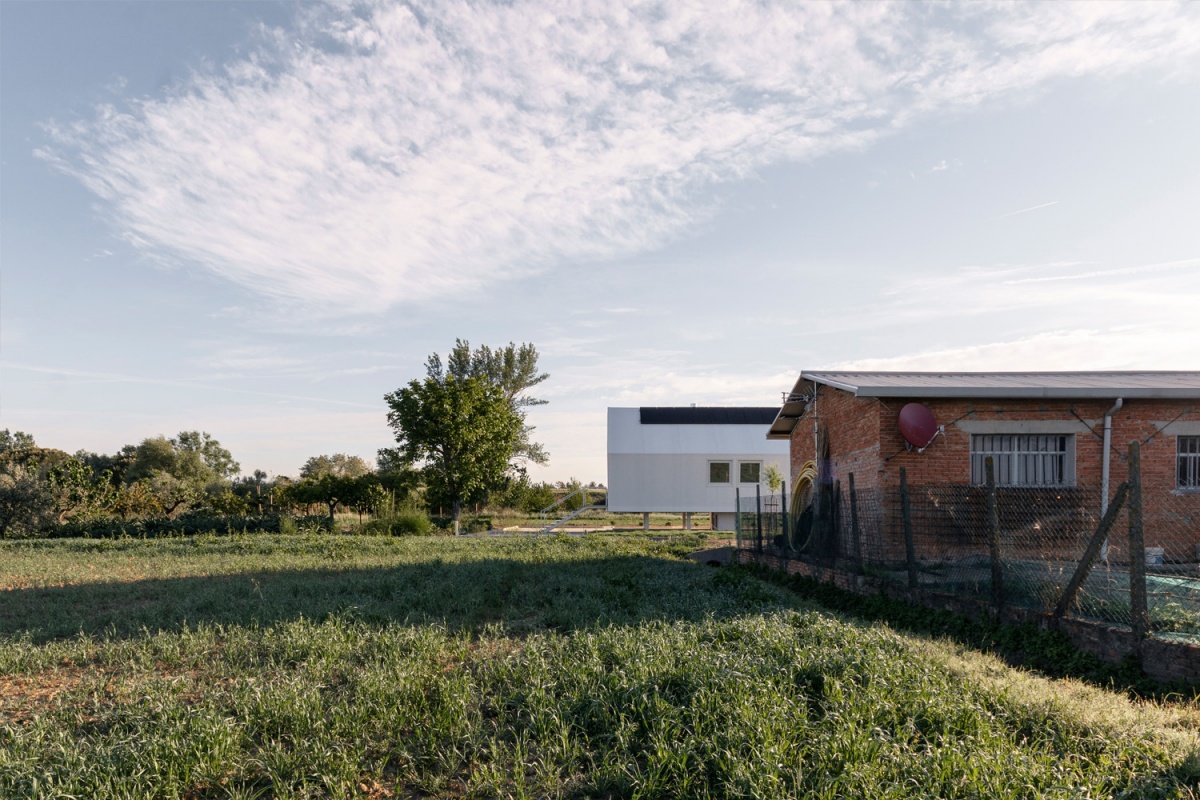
<point x="109" y="377"/>
<point x="1027" y="210"/>
<point x="379" y="154"/>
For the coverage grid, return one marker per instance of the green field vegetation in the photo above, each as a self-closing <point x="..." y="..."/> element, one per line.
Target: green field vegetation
<point x="598" y="666"/>
<point x="509" y="518"/>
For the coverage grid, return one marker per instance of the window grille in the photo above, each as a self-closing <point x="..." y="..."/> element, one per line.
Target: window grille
<point x="1188" y="458"/>
<point x="1021" y="459"/>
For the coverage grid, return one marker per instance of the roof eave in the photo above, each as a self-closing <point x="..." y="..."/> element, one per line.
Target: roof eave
<point x="1028" y="393"/>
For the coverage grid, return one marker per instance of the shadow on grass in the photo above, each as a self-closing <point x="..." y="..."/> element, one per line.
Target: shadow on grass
<point x="524" y="596"/>
<point x="1025" y="646"/>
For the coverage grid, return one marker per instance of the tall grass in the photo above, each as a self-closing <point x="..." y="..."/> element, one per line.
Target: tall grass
<point x="594" y="667"/>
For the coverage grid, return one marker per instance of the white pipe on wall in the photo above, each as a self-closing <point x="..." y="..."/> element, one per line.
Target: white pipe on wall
<point x="1108" y="415"/>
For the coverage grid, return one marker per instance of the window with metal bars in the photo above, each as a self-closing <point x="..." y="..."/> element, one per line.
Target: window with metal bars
<point x="1188" y="459"/>
<point x="1024" y="459"/>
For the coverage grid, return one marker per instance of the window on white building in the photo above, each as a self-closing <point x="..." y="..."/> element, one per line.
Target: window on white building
<point x="1024" y="459"/>
<point x="748" y="471"/>
<point x="718" y="471"/>
<point x="1188" y="460"/>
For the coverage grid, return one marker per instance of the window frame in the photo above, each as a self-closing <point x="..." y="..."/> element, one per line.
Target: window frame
<point x="742" y="464"/>
<point x="728" y="473"/>
<point x="1018" y="453"/>
<point x="1187" y="463"/>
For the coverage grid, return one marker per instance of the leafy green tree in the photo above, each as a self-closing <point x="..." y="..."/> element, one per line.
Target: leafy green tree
<point x="366" y="496"/>
<point x="135" y="500"/>
<point x="521" y="494"/>
<point x="338" y="464"/>
<point x="215" y="458"/>
<point x="171" y="494"/>
<point x="396" y="476"/>
<point x="254" y="489"/>
<point x="193" y="456"/>
<point x="463" y="432"/>
<point x="328" y="490"/>
<point x="512" y="369"/>
<point x="15" y="440"/>
<point x="773" y="477"/>
<point x="26" y="506"/>
<point x="224" y="501"/>
<point x="77" y="492"/>
<point x="157" y="454"/>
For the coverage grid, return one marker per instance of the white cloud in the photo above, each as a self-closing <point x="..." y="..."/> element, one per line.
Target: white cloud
<point x="1057" y="296"/>
<point x="1116" y="348"/>
<point x="381" y="153"/>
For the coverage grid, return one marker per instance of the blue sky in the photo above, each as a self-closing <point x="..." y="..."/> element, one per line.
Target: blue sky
<point x="256" y="219"/>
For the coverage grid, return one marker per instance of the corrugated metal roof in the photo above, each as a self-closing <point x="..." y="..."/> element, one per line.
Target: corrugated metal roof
<point x="1131" y="385"/>
<point x="712" y="415"/>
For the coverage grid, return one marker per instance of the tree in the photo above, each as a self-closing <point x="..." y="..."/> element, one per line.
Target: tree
<point x="77" y="491"/>
<point x="773" y="477"/>
<point x="26" y="506"/>
<point x="253" y="488"/>
<point x="215" y="458"/>
<point x="328" y="489"/>
<point x="338" y="464"/>
<point x="512" y="369"/>
<point x="193" y="457"/>
<point x="463" y="432"/>
<point x="396" y="476"/>
<point x="16" y="440"/>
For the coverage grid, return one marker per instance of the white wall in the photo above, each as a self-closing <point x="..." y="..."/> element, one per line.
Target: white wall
<point x="665" y="467"/>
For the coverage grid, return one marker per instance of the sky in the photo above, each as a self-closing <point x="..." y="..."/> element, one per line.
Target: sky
<point x="256" y="219"/>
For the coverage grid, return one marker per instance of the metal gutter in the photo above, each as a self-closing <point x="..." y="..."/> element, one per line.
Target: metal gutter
<point x="1023" y="392"/>
<point x="1108" y="415"/>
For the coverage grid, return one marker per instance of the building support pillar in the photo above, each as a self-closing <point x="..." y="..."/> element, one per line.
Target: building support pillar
<point x="646" y="521"/>
<point x="687" y="520"/>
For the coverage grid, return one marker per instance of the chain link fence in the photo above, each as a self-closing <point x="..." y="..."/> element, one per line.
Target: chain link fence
<point x="1050" y="549"/>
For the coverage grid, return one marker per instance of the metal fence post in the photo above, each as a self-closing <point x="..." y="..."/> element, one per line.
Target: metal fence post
<point x="737" y="515"/>
<point x="835" y="521"/>
<point x="758" y="515"/>
<point x="993" y="511"/>
<point x="855" y="534"/>
<point x="783" y="518"/>
<point x="1140" y="621"/>
<point x="910" y="550"/>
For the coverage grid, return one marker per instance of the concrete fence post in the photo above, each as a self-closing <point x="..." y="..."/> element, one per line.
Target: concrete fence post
<point x="758" y="516"/>
<point x="855" y="533"/>
<point x="1140" y="620"/>
<point x="910" y="549"/>
<point x="993" y="512"/>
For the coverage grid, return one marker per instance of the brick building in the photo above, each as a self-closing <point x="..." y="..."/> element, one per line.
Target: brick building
<point x="1045" y="431"/>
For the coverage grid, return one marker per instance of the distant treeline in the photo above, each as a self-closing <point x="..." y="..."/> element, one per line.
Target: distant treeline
<point x="190" y="484"/>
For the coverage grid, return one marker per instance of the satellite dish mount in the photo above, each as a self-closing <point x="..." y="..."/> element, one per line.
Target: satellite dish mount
<point x="918" y="427"/>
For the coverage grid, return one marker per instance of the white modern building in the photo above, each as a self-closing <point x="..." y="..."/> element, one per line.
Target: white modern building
<point x="689" y="460"/>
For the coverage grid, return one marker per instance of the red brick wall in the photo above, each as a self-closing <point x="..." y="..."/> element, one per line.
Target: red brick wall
<point x="853" y="424"/>
<point x="865" y="439"/>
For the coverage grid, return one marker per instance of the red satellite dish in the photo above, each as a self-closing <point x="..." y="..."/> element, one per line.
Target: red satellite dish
<point x="917" y="425"/>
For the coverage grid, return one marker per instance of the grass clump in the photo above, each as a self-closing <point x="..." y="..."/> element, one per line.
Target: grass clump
<point x="556" y="667"/>
<point x="402" y="523"/>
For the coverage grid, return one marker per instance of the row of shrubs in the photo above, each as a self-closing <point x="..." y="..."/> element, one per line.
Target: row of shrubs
<point x="402" y="523"/>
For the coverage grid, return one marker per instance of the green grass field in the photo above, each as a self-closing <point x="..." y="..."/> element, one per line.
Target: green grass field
<point x="599" y="666"/>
